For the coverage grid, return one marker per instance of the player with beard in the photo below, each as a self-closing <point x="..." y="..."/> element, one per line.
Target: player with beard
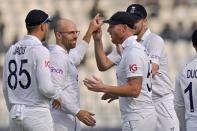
<point x="65" y="57"/>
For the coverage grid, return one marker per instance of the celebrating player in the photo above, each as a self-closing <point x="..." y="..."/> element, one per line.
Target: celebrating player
<point x="27" y="82"/>
<point x="133" y="75"/>
<point x="65" y="57"/>
<point x="161" y="84"/>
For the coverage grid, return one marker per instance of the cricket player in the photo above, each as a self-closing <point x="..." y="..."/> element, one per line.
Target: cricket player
<point x="27" y="84"/>
<point x="65" y="57"/>
<point x="185" y="93"/>
<point x="133" y="76"/>
<point x="162" y="90"/>
<point x="161" y="84"/>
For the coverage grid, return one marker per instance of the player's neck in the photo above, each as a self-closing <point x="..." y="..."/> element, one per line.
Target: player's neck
<point x="140" y="35"/>
<point x="36" y="35"/>
<point x="62" y="45"/>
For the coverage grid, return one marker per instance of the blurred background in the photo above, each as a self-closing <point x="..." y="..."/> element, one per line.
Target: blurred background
<point x="174" y="20"/>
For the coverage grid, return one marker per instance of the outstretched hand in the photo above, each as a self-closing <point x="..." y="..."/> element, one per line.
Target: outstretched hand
<point x="94" y="25"/>
<point x="109" y="97"/>
<point x="86" y="118"/>
<point x="94" y="84"/>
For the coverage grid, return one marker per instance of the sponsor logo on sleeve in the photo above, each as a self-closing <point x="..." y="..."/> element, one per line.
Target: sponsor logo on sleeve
<point x="47" y="63"/>
<point x="133" y="68"/>
<point x="53" y="69"/>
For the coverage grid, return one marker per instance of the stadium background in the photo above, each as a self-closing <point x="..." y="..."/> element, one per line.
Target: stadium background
<point x="175" y="20"/>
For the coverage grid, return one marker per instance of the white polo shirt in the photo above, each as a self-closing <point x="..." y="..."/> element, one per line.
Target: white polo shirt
<point x="186" y="92"/>
<point x="154" y="44"/>
<point x="65" y="74"/>
<point x="161" y="82"/>
<point x="134" y="62"/>
<point x="26" y="76"/>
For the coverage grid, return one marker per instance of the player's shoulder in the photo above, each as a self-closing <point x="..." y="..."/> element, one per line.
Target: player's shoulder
<point x="57" y="51"/>
<point x="155" y="38"/>
<point x="58" y="55"/>
<point x="41" y="50"/>
<point x="11" y="49"/>
<point x="137" y="51"/>
<point x="184" y="69"/>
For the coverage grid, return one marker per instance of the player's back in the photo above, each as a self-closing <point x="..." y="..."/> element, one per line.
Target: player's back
<point x="21" y="69"/>
<point x="188" y="82"/>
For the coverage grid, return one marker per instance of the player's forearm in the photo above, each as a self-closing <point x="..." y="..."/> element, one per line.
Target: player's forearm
<point x="70" y="108"/>
<point x="103" y="63"/>
<point x="88" y="35"/>
<point x="123" y="91"/>
<point x="68" y="105"/>
<point x="155" y="68"/>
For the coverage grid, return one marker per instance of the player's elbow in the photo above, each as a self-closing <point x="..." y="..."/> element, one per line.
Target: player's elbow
<point x="134" y="92"/>
<point x="48" y="92"/>
<point x="102" y="67"/>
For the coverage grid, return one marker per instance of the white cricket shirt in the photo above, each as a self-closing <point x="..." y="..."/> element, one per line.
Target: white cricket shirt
<point x="65" y="74"/>
<point x="154" y="44"/>
<point x="26" y="76"/>
<point x="186" y="92"/>
<point x="134" y="62"/>
<point x="161" y="83"/>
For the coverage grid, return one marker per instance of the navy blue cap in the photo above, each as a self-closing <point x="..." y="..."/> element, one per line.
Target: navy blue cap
<point x="137" y="10"/>
<point x="121" y="17"/>
<point x="36" y="17"/>
<point x="194" y="37"/>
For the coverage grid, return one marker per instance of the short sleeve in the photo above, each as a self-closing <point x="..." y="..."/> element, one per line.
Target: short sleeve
<point x="134" y="63"/>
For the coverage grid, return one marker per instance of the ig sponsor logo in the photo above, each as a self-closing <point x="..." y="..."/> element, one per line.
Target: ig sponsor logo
<point x="133" y="67"/>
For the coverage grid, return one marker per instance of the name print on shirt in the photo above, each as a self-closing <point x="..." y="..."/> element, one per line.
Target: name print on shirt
<point x="19" y="50"/>
<point x="192" y="73"/>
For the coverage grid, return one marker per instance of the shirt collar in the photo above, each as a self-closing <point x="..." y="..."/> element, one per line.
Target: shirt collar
<point x="127" y="42"/>
<point x="61" y="49"/>
<point x="32" y="37"/>
<point x="147" y="32"/>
